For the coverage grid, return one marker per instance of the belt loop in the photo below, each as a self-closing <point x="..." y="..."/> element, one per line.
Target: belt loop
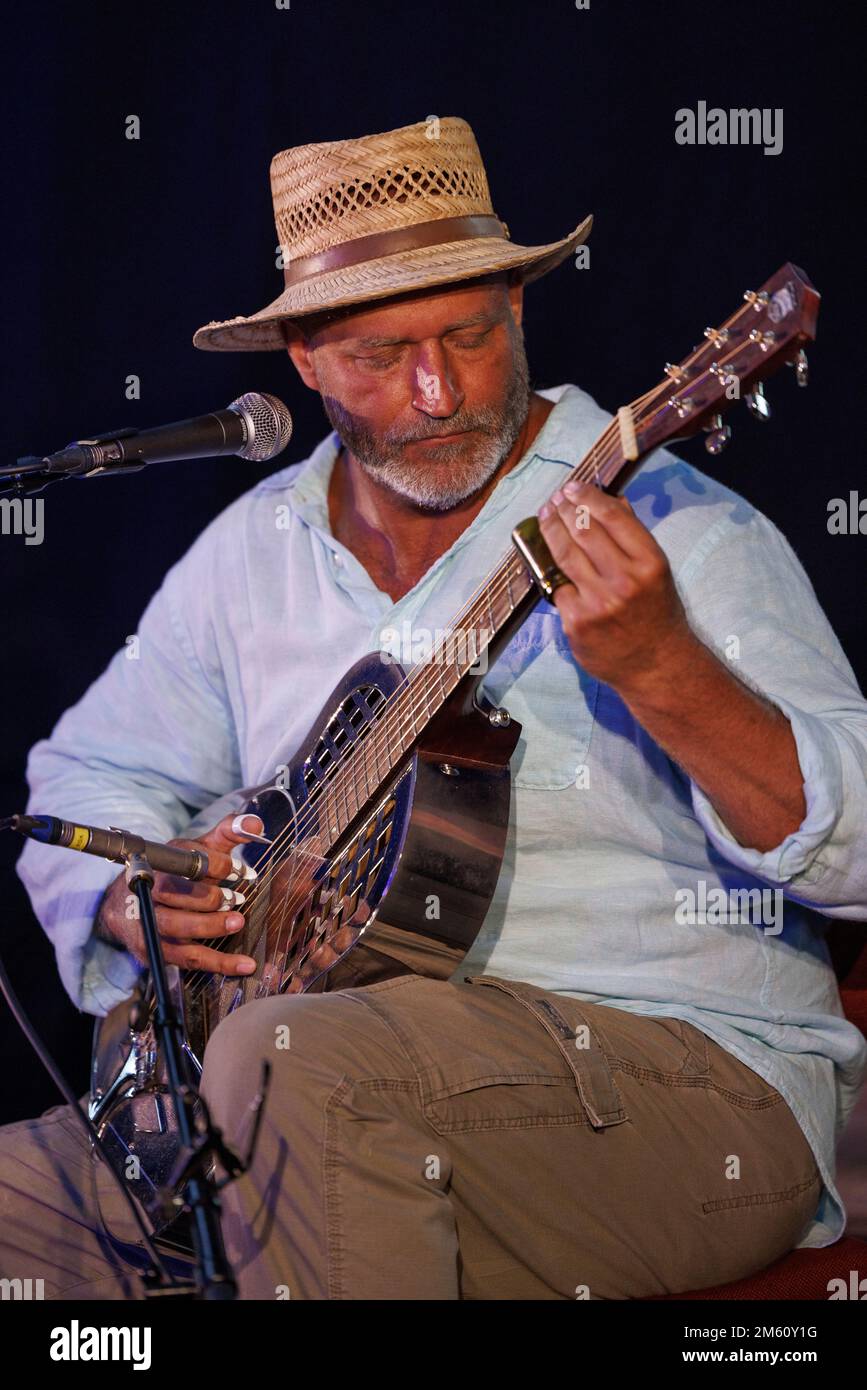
<point x="587" y="1055"/>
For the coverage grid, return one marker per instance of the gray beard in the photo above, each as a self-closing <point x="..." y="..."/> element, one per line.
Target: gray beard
<point x="454" y="471"/>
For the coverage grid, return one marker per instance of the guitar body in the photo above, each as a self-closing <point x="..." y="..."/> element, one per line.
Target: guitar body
<point x="404" y="887"/>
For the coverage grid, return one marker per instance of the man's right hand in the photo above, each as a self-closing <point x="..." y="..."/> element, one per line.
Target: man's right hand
<point x="187" y="912"/>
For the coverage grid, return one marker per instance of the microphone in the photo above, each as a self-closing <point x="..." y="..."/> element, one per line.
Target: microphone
<point x="110" y="844"/>
<point x="255" y="426"/>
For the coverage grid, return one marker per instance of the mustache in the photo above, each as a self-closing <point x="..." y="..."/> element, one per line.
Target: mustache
<point x="450" y="426"/>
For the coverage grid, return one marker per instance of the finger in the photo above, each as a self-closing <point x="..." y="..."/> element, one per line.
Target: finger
<point x="569" y="606"/>
<point x="192" y="956"/>
<point x="235" y="829"/>
<point x="614" y="513"/>
<point x="594" y="539"/>
<point x="197" y="926"/>
<point x="567" y="555"/>
<point x="200" y="896"/>
<point x="220" y="864"/>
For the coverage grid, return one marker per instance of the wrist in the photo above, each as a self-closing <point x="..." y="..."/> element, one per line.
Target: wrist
<point x="100" y="926"/>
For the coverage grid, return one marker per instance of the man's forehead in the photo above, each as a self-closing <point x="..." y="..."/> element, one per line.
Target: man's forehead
<point x="425" y="314"/>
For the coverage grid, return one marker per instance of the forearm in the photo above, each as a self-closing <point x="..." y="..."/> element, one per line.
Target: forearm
<point x="737" y="746"/>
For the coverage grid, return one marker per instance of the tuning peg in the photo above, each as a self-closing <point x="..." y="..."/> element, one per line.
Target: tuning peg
<point x="718" y="435"/>
<point x="758" y="301"/>
<point x="757" y="403"/>
<point x="802" y="368"/>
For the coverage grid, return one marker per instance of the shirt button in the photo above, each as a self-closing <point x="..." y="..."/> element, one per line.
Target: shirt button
<point x="338" y="560"/>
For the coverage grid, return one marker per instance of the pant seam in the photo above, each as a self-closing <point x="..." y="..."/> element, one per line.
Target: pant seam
<point x="334" y="1252"/>
<point x="331" y="1168"/>
<point x="760" y="1199"/>
<point x="765" y="1102"/>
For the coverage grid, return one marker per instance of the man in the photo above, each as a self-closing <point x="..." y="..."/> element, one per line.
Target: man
<point x="612" y="1097"/>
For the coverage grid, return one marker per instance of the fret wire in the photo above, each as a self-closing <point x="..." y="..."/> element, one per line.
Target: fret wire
<point x="385" y="726"/>
<point x="426" y="688"/>
<point x="344" y="786"/>
<point x="373" y="740"/>
<point x="359" y="769"/>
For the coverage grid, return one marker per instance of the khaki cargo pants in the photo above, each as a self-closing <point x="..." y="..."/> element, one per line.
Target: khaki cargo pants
<point x="429" y="1140"/>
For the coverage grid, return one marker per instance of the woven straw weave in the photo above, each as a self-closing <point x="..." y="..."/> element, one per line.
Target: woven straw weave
<point x="326" y="194"/>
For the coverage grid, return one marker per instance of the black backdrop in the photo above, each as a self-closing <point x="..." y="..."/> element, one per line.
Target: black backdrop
<point x="116" y="250"/>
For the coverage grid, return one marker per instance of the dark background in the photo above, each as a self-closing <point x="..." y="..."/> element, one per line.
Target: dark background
<point x="116" y="251"/>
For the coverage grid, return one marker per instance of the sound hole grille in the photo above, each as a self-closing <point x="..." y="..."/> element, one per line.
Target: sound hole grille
<point x="349" y="723"/>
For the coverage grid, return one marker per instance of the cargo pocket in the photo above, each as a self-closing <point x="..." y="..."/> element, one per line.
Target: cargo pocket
<point x="591" y="1093"/>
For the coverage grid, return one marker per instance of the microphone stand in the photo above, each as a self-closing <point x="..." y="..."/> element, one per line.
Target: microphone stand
<point x="201" y="1140"/>
<point x="30" y="473"/>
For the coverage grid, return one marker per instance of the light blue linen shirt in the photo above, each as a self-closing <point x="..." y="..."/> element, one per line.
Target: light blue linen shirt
<point x="253" y="627"/>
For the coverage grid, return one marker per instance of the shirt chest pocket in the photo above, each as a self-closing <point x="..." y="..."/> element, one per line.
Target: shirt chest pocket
<point x="539" y="682"/>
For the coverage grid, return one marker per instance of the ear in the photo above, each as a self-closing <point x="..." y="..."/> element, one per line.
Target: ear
<point x="301" y="354"/>
<point x="516" y="300"/>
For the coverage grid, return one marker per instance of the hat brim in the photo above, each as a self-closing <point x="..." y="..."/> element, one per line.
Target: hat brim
<point x="377" y="279"/>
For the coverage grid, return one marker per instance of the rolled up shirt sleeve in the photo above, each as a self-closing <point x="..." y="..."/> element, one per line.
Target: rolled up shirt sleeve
<point x="149" y="744"/>
<point x="750" y="599"/>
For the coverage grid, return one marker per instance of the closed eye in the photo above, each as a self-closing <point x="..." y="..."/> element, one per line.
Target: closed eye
<point x="477" y="340"/>
<point x="469" y="341"/>
<point x="379" y="363"/>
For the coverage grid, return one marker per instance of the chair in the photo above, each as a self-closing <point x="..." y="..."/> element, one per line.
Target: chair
<point x="804" y="1274"/>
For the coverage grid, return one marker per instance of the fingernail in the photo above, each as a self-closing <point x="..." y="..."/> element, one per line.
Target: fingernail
<point x="235" y="922"/>
<point x="572" y="489"/>
<point x="252" y="830"/>
<point x="246" y="967"/>
<point x="545" y="511"/>
<point x="557" y="497"/>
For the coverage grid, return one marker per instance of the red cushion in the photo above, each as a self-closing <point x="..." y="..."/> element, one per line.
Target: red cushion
<point x="854" y="1003"/>
<point x="802" y="1274"/>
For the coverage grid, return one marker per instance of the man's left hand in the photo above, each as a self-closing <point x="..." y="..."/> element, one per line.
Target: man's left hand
<point x="622" y="612"/>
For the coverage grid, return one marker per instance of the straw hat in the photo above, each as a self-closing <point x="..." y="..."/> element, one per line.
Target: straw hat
<point x="359" y="220"/>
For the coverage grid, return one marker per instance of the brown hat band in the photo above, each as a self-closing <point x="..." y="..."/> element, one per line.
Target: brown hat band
<point x="371" y="248"/>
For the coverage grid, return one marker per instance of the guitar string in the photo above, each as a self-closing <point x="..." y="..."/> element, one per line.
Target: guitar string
<point x="507" y="574"/>
<point x="492" y="589"/>
<point x="288" y="906"/>
<point x="504" y="576"/>
<point x="649" y="395"/>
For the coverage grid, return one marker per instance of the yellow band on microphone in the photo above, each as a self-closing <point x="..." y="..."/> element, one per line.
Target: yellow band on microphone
<point x="80" y="837"/>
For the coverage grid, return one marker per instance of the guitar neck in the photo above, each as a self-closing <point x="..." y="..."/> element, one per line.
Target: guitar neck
<point x="768" y="329"/>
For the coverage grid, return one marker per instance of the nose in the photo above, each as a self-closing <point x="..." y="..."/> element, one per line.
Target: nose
<point x="435" y="392"/>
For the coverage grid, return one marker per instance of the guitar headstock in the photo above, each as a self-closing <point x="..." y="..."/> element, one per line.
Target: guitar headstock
<point x="769" y="329"/>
